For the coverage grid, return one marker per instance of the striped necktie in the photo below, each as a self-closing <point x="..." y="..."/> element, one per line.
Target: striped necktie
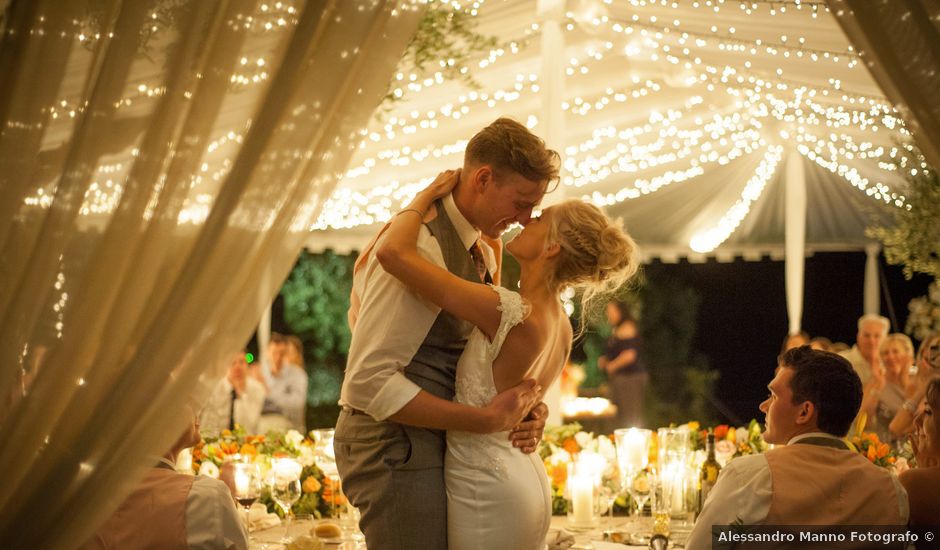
<point x="477" y="254"/>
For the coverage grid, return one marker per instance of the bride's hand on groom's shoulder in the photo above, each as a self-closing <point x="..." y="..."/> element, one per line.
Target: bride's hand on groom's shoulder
<point x="443" y="184"/>
<point x="508" y="409"/>
<point x="526" y="435"/>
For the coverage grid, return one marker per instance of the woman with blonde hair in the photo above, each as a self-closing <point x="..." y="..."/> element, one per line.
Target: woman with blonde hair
<point x="498" y="497"/>
<point x="889" y="385"/>
<point x="928" y="368"/>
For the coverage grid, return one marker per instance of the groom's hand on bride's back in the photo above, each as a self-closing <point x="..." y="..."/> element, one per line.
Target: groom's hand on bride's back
<point x="511" y="406"/>
<point x="528" y="433"/>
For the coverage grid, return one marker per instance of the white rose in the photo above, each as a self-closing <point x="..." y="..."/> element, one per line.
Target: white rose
<point x="307" y="455"/>
<point x="209" y="469"/>
<point x="583" y="438"/>
<point x="294" y="438"/>
<point x="740" y="435"/>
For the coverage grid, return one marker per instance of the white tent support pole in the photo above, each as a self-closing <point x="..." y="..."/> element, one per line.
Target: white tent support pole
<point x="872" y="299"/>
<point x="551" y="126"/>
<point x="795" y="237"/>
<point x="264" y="325"/>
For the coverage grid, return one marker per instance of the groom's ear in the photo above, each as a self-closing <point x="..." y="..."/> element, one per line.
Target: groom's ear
<point x="481" y="178"/>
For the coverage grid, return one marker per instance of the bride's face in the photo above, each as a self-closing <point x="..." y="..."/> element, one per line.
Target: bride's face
<point x="532" y="241"/>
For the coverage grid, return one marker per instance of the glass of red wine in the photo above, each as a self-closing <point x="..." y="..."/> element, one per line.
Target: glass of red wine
<point x="248" y="485"/>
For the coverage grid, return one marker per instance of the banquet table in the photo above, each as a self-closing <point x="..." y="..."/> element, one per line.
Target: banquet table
<point x="591" y="539"/>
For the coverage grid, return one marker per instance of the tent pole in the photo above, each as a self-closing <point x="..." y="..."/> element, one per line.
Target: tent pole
<point x="551" y="13"/>
<point x="795" y="237"/>
<point x="872" y="298"/>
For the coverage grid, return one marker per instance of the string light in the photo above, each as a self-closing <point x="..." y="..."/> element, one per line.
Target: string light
<point x="709" y="239"/>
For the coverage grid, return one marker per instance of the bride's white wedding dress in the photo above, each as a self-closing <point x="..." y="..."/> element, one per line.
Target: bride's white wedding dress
<point x="497" y="496"/>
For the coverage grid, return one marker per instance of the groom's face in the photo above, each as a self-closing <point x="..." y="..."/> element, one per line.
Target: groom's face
<point x="780" y="412"/>
<point x="506" y="199"/>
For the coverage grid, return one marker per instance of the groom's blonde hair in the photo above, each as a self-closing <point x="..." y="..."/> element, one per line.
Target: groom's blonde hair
<point x="507" y="145"/>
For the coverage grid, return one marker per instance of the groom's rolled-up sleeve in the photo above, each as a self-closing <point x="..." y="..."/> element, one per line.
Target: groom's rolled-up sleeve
<point x="392" y="323"/>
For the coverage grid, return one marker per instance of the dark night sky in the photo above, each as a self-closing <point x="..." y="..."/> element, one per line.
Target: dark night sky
<point x="742" y="317"/>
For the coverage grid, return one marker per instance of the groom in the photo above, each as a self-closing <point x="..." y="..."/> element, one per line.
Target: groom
<point x="399" y="384"/>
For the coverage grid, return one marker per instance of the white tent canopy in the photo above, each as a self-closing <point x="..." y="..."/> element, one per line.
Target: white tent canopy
<point x="677" y="115"/>
<point x="708" y="125"/>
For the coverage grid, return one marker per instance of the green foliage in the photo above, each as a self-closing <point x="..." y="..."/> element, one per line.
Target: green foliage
<point x="316" y="299"/>
<point x="681" y="381"/>
<point x="913" y="239"/>
<point x="446" y="42"/>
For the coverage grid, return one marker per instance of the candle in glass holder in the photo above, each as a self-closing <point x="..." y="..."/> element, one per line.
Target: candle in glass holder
<point x="632" y="449"/>
<point x="582" y="498"/>
<point x="242" y="480"/>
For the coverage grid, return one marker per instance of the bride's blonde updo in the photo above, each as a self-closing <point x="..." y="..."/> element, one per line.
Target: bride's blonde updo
<point x="596" y="256"/>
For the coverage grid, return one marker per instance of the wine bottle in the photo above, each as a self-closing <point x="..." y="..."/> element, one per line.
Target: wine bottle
<point x="710" y="469"/>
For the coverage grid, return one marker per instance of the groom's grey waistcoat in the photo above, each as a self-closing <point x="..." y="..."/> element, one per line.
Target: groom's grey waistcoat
<point x="434" y="366"/>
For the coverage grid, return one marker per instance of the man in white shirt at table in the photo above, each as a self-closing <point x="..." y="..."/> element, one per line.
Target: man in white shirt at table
<point x="236" y="399"/>
<point x="169" y="509"/>
<point x="812" y="477"/>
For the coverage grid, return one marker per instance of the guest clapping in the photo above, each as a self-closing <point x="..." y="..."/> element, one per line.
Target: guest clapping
<point x="928" y="368"/>
<point x="286" y="382"/>
<point x="236" y="399"/>
<point x="923" y="483"/>
<point x="888" y="387"/>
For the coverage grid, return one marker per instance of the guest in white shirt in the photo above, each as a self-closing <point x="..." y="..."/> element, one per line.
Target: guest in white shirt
<point x="236" y="399"/>
<point x="169" y="509"/>
<point x="812" y="477"/>
<point x="286" y="382"/>
<point x="864" y="356"/>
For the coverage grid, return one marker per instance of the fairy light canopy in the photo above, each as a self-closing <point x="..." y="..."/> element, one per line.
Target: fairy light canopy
<point x="678" y="115"/>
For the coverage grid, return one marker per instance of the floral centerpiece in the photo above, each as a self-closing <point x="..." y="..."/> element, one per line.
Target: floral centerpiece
<point x="562" y="445"/>
<point x="211" y="453"/>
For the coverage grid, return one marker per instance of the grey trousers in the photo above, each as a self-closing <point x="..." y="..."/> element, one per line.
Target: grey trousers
<point x="398" y="490"/>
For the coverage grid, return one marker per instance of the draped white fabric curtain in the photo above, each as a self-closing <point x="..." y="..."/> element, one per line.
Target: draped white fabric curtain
<point x="157" y="159"/>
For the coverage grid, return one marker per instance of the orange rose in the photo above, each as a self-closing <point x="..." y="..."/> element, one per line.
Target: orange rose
<point x="871" y="454"/>
<point x="883" y="450"/>
<point x="311" y="485"/>
<point x="248" y="449"/>
<point x="571" y="445"/>
<point x="721" y="431"/>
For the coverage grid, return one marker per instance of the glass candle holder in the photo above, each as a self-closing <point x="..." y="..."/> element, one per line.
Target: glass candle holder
<point x="582" y="496"/>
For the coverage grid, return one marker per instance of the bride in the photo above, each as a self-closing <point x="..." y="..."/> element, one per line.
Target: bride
<point x="498" y="497"/>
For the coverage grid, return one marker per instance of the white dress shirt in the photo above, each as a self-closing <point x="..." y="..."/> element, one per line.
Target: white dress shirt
<point x="392" y="323"/>
<point x="744" y="493"/>
<point x="215" y="415"/>
<point x="212" y="522"/>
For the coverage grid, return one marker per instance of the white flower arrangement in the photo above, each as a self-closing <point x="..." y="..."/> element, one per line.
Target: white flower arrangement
<point x="924" y="313"/>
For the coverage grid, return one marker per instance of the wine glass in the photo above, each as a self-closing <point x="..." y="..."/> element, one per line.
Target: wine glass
<point x="247" y="487"/>
<point x="285" y="488"/>
<point x="638" y="485"/>
<point x="609" y="491"/>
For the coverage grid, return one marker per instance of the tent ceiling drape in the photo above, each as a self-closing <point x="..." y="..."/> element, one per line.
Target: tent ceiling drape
<point x="678" y="104"/>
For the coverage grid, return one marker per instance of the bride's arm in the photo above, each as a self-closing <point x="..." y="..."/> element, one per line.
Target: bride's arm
<point x="398" y="255"/>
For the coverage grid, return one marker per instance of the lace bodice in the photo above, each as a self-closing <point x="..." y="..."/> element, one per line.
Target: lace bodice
<point x="475" y="385"/>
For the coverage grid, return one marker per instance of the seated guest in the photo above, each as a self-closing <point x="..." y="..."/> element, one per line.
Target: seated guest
<point x="923" y="483"/>
<point x="236" y="399"/>
<point x="286" y="382"/>
<point x="173" y="510"/>
<point x="864" y="354"/>
<point x="928" y="368"/>
<point x="887" y="389"/>
<point x="812" y="478"/>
